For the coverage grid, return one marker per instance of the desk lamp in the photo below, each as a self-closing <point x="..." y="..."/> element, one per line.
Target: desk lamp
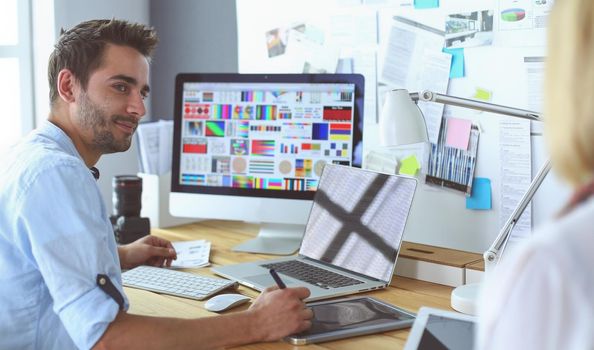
<point x="403" y="123"/>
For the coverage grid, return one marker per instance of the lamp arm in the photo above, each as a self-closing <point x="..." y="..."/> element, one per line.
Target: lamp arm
<point x="429" y="96"/>
<point x="491" y="256"/>
<point x="464" y="297"/>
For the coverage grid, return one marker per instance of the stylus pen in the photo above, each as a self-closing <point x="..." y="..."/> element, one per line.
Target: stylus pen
<point x="277" y="279"/>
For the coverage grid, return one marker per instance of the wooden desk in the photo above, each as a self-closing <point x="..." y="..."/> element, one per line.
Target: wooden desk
<point x="406" y="293"/>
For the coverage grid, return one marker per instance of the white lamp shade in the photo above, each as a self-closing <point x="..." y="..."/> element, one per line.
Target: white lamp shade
<point x="401" y="120"/>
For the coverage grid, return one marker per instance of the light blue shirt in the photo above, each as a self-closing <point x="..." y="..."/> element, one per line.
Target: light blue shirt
<point x="55" y="237"/>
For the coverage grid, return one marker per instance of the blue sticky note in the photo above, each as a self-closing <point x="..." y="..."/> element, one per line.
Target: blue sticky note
<point x="481" y="194"/>
<point x="426" y="4"/>
<point x="457" y="69"/>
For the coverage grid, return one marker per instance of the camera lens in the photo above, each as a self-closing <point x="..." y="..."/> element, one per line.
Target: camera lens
<point x="127" y="191"/>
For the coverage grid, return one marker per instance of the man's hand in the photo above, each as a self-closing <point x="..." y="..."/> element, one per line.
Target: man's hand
<point x="280" y="312"/>
<point x="148" y="250"/>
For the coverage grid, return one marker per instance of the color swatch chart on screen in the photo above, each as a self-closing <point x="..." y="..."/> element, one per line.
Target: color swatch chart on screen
<point x="264" y="136"/>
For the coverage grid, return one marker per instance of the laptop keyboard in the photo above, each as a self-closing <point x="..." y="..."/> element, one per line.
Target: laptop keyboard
<point x="312" y="274"/>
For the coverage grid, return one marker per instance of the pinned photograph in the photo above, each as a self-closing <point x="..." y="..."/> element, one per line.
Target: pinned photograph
<point x="469" y="29"/>
<point x="277" y="39"/>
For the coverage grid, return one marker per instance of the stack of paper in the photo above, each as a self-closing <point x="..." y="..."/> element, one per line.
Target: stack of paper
<point x="155" y="143"/>
<point x="191" y="254"/>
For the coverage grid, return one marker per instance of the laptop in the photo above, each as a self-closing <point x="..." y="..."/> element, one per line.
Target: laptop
<point x="352" y="236"/>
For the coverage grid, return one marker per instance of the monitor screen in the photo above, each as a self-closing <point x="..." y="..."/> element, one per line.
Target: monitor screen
<point x="261" y="136"/>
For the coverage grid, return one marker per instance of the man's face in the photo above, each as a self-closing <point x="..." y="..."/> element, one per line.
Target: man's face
<point x="109" y="110"/>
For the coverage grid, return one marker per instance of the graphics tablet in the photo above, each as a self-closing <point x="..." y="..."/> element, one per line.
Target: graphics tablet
<point x="436" y="329"/>
<point x="337" y="319"/>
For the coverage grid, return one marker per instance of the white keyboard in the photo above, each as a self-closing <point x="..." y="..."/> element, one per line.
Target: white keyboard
<point x="178" y="283"/>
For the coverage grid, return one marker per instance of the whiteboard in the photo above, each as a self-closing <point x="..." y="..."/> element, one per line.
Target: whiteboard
<point x="438" y="217"/>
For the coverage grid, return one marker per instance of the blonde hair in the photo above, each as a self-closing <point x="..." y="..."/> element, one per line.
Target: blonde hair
<point x="569" y="90"/>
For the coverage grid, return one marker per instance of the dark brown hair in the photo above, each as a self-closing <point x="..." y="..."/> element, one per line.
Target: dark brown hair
<point x="81" y="48"/>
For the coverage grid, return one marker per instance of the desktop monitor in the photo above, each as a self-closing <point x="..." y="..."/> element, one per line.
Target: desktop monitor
<point x="252" y="147"/>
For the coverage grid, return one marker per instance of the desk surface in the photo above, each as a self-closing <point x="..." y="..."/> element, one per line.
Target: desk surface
<point x="406" y="293"/>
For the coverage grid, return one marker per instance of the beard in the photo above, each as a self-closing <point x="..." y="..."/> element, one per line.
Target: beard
<point x="95" y="120"/>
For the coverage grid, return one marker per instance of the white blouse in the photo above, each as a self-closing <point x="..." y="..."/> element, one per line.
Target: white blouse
<point x="542" y="297"/>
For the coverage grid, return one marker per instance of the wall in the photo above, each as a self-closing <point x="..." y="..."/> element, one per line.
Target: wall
<point x="195" y="36"/>
<point x="68" y="14"/>
<point x="494" y="62"/>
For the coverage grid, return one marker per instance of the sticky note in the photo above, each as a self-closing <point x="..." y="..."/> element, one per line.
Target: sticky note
<point x="482" y="94"/>
<point x="409" y="166"/>
<point x="426" y="4"/>
<point x="481" y="194"/>
<point x="457" y="68"/>
<point x="458" y="133"/>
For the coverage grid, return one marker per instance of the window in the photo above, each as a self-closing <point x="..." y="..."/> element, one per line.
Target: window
<point x="16" y="115"/>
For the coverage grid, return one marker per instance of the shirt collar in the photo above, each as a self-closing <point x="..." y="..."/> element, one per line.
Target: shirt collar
<point x="53" y="132"/>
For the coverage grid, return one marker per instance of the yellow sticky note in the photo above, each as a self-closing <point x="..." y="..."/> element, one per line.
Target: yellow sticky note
<point x="483" y="94"/>
<point x="409" y="166"/>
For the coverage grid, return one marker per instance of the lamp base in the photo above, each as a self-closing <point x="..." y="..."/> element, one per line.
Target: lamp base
<point x="465" y="298"/>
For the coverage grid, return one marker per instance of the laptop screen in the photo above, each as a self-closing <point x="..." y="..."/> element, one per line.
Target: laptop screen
<point x="357" y="220"/>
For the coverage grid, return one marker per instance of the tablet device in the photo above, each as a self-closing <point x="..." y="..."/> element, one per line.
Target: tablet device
<point x="337" y="319"/>
<point x="436" y="329"/>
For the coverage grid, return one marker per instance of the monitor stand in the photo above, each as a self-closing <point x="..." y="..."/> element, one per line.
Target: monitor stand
<point x="275" y="239"/>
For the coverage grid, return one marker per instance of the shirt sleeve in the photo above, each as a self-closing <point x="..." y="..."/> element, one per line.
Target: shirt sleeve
<point x="533" y="302"/>
<point x="71" y="243"/>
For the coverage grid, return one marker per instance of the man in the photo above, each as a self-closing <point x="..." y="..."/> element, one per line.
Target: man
<point x="55" y="236"/>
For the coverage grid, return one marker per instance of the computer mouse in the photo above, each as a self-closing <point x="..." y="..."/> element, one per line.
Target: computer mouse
<point x="224" y="302"/>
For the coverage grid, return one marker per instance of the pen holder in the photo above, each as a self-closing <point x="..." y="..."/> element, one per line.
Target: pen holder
<point x="155" y="201"/>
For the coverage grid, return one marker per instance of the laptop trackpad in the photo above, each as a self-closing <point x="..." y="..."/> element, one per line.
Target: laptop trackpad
<point x="266" y="280"/>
